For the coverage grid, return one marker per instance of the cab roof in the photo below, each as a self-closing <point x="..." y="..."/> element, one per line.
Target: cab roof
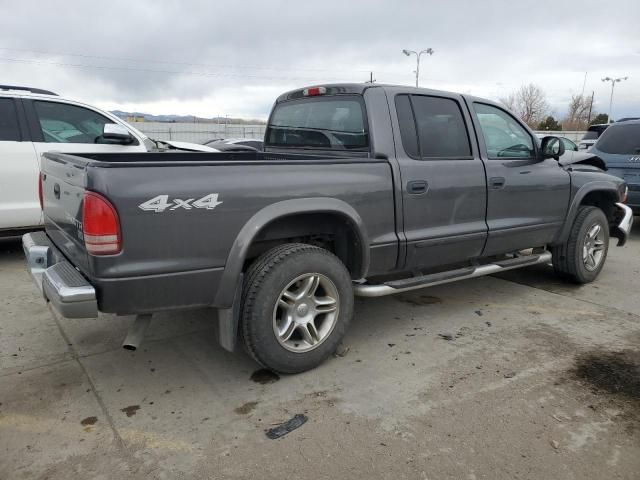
<point x="360" y="88"/>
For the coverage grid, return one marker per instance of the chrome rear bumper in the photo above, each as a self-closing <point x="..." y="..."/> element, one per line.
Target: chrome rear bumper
<point x="59" y="282"/>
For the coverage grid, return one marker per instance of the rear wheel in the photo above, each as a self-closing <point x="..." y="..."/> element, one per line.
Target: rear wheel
<point x="297" y="303"/>
<point x="581" y="258"/>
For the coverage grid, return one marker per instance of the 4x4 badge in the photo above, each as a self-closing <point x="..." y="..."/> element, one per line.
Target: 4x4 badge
<point x="161" y="203"/>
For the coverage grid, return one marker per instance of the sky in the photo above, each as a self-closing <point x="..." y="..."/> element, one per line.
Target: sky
<point x="209" y="58"/>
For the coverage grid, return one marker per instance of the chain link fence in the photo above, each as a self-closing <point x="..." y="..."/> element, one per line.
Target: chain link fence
<point x="574" y="135"/>
<point x="198" y="132"/>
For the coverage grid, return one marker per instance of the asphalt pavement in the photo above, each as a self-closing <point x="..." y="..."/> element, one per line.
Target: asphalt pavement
<point x="518" y="376"/>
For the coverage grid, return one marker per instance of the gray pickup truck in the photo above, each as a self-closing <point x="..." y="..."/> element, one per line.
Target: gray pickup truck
<point x="361" y="189"/>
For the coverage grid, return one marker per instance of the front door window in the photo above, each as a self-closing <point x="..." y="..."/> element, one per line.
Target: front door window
<point x="503" y="136"/>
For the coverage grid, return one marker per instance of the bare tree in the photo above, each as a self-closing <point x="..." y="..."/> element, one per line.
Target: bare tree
<point x="577" y="117"/>
<point x="509" y="102"/>
<point x="529" y="102"/>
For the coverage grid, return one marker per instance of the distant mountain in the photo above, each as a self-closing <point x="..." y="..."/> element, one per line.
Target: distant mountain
<point x="184" y="118"/>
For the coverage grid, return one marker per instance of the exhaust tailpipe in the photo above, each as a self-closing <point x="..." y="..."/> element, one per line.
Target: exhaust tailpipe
<point x="136" y="332"/>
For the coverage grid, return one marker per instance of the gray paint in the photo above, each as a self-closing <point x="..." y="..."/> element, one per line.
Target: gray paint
<point x="446" y="224"/>
<point x="530" y="206"/>
<point x="160" y="249"/>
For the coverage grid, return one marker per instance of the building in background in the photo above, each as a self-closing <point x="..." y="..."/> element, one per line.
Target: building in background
<point x="134" y="118"/>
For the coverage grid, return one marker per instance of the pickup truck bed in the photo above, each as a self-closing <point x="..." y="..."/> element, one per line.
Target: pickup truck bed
<point x="154" y="270"/>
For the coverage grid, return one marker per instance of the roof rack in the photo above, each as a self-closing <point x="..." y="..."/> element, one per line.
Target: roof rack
<point x="27" y="89"/>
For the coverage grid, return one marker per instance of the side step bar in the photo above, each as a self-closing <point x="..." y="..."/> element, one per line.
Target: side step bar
<point x="414" y="283"/>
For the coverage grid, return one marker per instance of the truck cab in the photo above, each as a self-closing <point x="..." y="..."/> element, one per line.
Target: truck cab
<point x="469" y="173"/>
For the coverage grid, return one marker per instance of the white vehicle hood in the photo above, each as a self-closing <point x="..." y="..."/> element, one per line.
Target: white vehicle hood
<point x="193" y="147"/>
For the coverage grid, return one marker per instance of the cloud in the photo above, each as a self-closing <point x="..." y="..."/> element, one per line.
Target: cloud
<point x="209" y="58"/>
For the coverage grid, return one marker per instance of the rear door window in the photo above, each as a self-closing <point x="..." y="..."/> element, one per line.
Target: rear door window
<point x="9" y="130"/>
<point x="432" y="127"/>
<point x="327" y="123"/>
<point x="441" y="129"/>
<point x="407" y="126"/>
<point x="620" y="139"/>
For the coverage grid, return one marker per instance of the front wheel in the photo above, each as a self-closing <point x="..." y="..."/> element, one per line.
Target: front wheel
<point x="296" y="305"/>
<point x="581" y="258"/>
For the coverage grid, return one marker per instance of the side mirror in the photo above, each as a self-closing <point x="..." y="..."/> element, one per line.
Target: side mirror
<point x="116" y="133"/>
<point x="552" y="147"/>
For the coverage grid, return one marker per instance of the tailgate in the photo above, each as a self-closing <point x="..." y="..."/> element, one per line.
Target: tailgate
<point x="63" y="185"/>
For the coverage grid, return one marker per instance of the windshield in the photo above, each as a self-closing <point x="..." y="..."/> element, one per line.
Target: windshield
<point x="327" y="123"/>
<point x="620" y="139"/>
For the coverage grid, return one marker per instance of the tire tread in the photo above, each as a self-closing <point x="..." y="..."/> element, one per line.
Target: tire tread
<point x="564" y="255"/>
<point x="256" y="275"/>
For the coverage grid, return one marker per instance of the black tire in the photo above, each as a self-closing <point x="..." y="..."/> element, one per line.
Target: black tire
<point x="266" y="280"/>
<point x="568" y="258"/>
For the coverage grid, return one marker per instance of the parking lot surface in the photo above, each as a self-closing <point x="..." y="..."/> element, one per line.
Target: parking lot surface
<point x="517" y="376"/>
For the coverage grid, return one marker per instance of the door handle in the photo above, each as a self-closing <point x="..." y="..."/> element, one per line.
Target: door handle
<point x="416" y="187"/>
<point x="56" y="190"/>
<point x="497" y="182"/>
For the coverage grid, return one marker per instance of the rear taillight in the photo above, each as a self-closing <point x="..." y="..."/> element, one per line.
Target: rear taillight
<point x="100" y="225"/>
<point x="40" y="197"/>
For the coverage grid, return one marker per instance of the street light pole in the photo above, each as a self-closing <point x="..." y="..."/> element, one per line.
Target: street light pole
<point x="613" y="84"/>
<point x="408" y="53"/>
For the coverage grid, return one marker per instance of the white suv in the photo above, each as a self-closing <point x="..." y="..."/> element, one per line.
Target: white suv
<point x="34" y="121"/>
